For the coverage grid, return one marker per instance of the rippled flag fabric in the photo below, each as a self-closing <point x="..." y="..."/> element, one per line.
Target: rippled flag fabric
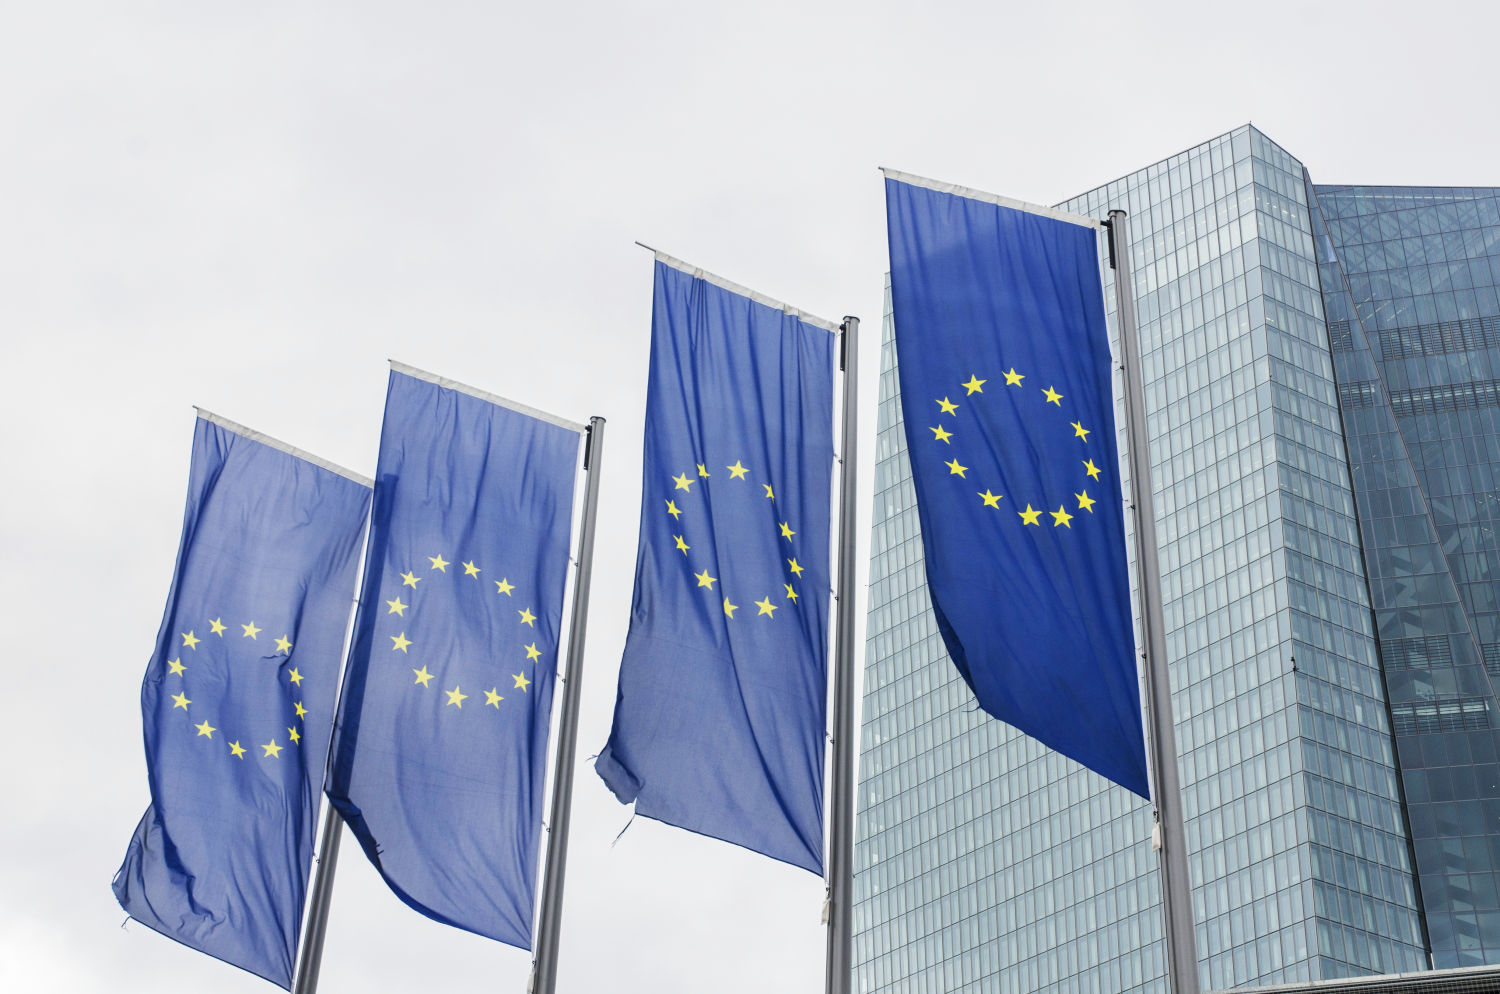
<point x="440" y="751"/>
<point x="238" y="698"/>
<point x="720" y="716"/>
<point x="1005" y="377"/>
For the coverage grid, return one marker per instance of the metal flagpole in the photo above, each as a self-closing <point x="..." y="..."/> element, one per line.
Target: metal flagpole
<point x="310" y="956"/>
<point x="841" y="796"/>
<point x="322" y="896"/>
<point x="544" y="966"/>
<point x="1169" y="836"/>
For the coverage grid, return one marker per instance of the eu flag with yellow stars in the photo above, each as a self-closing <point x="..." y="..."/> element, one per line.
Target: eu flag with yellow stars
<point x="1005" y="370"/>
<point x="439" y="756"/>
<point x="720" y="715"/>
<point x="238" y="698"/>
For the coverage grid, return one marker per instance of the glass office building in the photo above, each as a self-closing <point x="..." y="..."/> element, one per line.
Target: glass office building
<point x="1409" y="277"/>
<point x="1319" y="398"/>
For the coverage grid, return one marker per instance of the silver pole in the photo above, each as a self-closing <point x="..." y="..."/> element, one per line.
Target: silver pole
<point x="322" y="897"/>
<point x="1177" y="900"/>
<point x="310" y="956"/>
<point x="549" y="924"/>
<point x="841" y="795"/>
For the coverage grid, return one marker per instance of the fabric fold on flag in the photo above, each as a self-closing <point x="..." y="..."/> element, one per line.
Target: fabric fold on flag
<point x="439" y="758"/>
<point x="237" y="702"/>
<point x="720" y="716"/>
<point x="1005" y="380"/>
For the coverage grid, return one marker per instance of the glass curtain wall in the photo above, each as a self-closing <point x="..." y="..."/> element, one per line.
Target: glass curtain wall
<point x="1298" y="851"/>
<point x="1409" y="276"/>
<point x="985" y="861"/>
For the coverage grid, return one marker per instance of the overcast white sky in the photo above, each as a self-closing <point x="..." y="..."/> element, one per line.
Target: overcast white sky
<point x="252" y="206"/>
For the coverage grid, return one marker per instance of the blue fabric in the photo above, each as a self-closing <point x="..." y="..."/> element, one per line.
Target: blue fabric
<point x="1005" y="375"/>
<point x="719" y="722"/>
<point x="238" y="702"/>
<point x="441" y="745"/>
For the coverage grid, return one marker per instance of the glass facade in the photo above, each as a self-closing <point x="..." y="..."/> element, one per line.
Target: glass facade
<point x="986" y="862"/>
<point x="1410" y="276"/>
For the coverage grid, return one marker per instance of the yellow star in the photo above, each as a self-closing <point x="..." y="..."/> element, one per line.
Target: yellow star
<point x="301" y="711"/>
<point x="492" y="696"/>
<point x="672" y="510"/>
<point x="295" y="677"/>
<point x="1090" y="468"/>
<point x="250" y="631"/>
<point x="527" y="618"/>
<point x="766" y="607"/>
<point x="454" y="697"/>
<point x="1061" y="517"/>
<point x="505" y="586"/>
<point x="769" y="492"/>
<point x="216" y="627"/>
<point x="975" y="385"/>
<point x="991" y="500"/>
<point x="1029" y="517"/>
<point x="237" y="750"/>
<point x="397" y="607"/>
<point x="401" y="641"/>
<point x="790" y="593"/>
<point x="292" y="734"/>
<point x="177" y="668"/>
<point x="682" y="546"/>
<point x="410" y="580"/>
<point x="206" y="729"/>
<point x="1085" y="502"/>
<point x="422" y="676"/>
<point x="947" y="405"/>
<point x="1053" y="397"/>
<point x="729" y="608"/>
<point x="955" y="468"/>
<point x="438" y="562"/>
<point x="702" y="470"/>
<point x="1079" y="431"/>
<point x="736" y="472"/>
<point x="940" y="435"/>
<point x="471" y="570"/>
<point x="792" y="565"/>
<point x="521" y="682"/>
<point x="182" y="701"/>
<point x="786" y="530"/>
<point x="190" y="642"/>
<point x="284" y="644"/>
<point x="704" y="580"/>
<point x="272" y="750"/>
<point x="532" y="652"/>
<point x="683" y="483"/>
<point x="1013" y="378"/>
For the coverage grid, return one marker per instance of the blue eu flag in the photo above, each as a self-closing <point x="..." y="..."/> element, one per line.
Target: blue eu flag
<point x="1005" y="389"/>
<point x="719" y="722"/>
<point x="238" y="698"/>
<point x="440" y="751"/>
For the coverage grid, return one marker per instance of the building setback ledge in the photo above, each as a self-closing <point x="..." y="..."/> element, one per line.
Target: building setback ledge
<point x="1465" y="980"/>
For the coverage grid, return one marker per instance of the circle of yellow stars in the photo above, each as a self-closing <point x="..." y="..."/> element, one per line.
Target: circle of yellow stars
<point x="738" y="471"/>
<point x="216" y="627"/>
<point x="503" y="586"/>
<point x="1061" y="518"/>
